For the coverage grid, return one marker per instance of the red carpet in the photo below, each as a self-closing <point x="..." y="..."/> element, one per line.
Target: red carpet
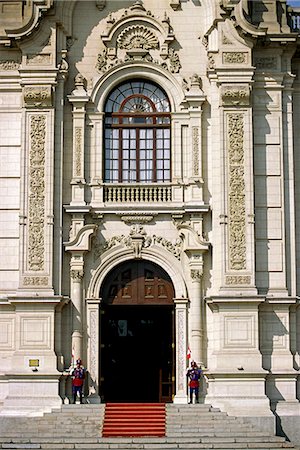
<point x="134" y="419"/>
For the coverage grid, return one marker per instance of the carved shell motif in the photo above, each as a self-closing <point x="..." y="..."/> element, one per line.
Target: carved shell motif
<point x="137" y="37"/>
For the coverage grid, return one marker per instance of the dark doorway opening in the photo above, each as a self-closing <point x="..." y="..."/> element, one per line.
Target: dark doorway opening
<point x="137" y="354"/>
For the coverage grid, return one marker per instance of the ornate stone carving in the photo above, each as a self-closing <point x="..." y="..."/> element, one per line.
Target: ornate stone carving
<point x="236" y="193"/>
<point x="235" y="95"/>
<point x="35" y="281"/>
<point x="137" y="40"/>
<point x="78" y="152"/>
<point x="137" y="37"/>
<point x="269" y="62"/>
<point x="181" y="349"/>
<point x="137" y="218"/>
<point x="37" y="96"/>
<point x="196" y="141"/>
<point x="93" y="343"/>
<point x="137" y="231"/>
<point x="211" y="64"/>
<point x="36" y="206"/>
<point x="175" y="65"/>
<point x="238" y="279"/>
<point x="63" y="65"/>
<point x="234" y="57"/>
<point x="39" y="59"/>
<point x="9" y="64"/>
<point x="76" y="275"/>
<point x="196" y="274"/>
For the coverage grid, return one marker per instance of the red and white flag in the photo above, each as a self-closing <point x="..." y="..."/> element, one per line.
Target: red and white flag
<point x="188" y="353"/>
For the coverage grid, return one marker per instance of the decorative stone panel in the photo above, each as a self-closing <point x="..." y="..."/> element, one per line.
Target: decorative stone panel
<point x="37" y="96"/>
<point x="236" y="192"/>
<point x="235" y="95"/>
<point x="36" y="193"/>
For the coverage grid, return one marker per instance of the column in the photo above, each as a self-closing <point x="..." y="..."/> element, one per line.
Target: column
<point x="76" y="297"/>
<point x="181" y="349"/>
<point x="196" y="322"/>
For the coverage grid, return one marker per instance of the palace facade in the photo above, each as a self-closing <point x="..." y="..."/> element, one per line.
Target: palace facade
<point x="149" y="183"/>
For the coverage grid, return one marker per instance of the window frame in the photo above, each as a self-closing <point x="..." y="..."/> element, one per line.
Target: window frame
<point x="139" y="120"/>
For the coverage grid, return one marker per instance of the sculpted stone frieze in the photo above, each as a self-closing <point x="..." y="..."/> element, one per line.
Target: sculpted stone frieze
<point x="234" y="57"/>
<point x="39" y="59"/>
<point x="36" y="206"/>
<point x="78" y="152"/>
<point x="9" y="64"/>
<point x="37" y="96"/>
<point x="236" y="192"/>
<point x="35" y="281"/>
<point x="138" y="36"/>
<point x="130" y="241"/>
<point x="196" y="146"/>
<point x="235" y="95"/>
<point x="238" y="279"/>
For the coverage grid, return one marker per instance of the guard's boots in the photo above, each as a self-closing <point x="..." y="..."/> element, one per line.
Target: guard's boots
<point x="74" y="398"/>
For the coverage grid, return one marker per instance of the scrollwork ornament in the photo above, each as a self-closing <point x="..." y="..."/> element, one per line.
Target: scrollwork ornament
<point x="175" y="64"/>
<point x="234" y="57"/>
<point x="76" y="275"/>
<point x="36" y="206"/>
<point x="236" y="194"/>
<point x="9" y="65"/>
<point x="196" y="274"/>
<point x="37" y="96"/>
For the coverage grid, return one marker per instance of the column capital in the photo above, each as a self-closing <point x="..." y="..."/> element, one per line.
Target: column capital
<point x="76" y="274"/>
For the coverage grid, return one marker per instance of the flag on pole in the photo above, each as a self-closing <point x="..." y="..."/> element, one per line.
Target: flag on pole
<point x="188" y="353"/>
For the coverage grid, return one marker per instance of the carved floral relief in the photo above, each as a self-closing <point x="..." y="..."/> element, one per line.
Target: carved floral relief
<point x="236" y="192"/>
<point x="36" y="206"/>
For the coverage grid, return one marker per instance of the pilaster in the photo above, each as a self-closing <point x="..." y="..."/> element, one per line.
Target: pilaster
<point x="36" y="213"/>
<point x="181" y="349"/>
<point x="79" y="99"/>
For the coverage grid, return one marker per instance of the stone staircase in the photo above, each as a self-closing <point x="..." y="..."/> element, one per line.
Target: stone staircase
<point x="187" y="427"/>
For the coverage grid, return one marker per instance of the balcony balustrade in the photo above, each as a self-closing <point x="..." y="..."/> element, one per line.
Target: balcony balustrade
<point x="137" y="194"/>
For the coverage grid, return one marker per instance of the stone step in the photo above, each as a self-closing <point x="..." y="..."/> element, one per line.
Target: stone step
<point x="187" y="427"/>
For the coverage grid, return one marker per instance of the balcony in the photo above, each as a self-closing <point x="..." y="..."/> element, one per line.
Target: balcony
<point x="114" y="193"/>
<point x="294" y="19"/>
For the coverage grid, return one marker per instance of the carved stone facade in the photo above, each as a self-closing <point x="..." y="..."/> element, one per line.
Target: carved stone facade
<point x="195" y="104"/>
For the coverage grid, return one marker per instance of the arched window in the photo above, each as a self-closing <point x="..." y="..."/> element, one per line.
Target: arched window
<point x="137" y="134"/>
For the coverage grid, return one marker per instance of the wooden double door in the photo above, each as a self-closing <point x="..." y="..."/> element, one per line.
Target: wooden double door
<point x="137" y="351"/>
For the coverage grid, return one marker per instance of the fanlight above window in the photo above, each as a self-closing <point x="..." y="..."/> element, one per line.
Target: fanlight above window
<point x="137" y="134"/>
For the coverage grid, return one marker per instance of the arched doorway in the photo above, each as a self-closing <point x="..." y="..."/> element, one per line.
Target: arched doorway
<point x="137" y="350"/>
